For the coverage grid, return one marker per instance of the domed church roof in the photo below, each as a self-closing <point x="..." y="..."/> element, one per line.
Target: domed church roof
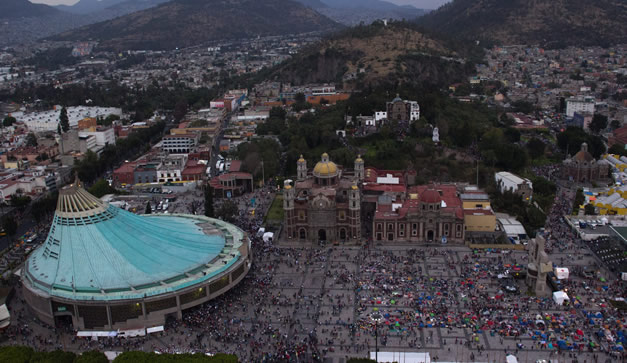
<point x="430" y="196"/>
<point x="583" y="155"/>
<point x="325" y="168"/>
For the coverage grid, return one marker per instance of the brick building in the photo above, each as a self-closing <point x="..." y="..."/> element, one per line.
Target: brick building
<point x="583" y="168"/>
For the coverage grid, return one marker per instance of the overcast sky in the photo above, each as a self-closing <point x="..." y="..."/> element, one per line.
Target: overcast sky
<point x="422" y="4"/>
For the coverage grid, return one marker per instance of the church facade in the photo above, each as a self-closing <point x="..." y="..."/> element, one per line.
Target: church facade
<point x="324" y="205"/>
<point x="330" y="204"/>
<point x="421" y="214"/>
<point x="402" y="110"/>
<point x="583" y="168"/>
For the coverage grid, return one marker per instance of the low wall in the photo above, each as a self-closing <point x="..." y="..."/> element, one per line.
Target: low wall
<point x="499" y="246"/>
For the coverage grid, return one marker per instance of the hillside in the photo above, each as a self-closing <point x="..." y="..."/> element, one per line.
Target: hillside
<point x="548" y="23"/>
<point x="374" y="54"/>
<point x="183" y="23"/>
<point x="40" y="24"/>
<point x="109" y="9"/>
<point x="24" y="8"/>
<point x="88" y="6"/>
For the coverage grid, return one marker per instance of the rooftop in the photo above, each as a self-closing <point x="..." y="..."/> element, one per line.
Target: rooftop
<point x="95" y="251"/>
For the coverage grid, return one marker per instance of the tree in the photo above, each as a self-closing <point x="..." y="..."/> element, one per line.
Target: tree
<point x="150" y="357"/>
<point x="8" y="121"/>
<point x="596" y="146"/>
<point x="9" y="224"/>
<point x="579" y="200"/>
<point x="227" y="211"/>
<point x="64" y="121"/>
<point x="589" y="210"/>
<point x="300" y="97"/>
<point x="506" y="120"/>
<point x="572" y="138"/>
<point x="57" y="356"/>
<point x="523" y="106"/>
<point x="536" y="148"/>
<point x="598" y="123"/>
<point x="20" y="201"/>
<point x="180" y="109"/>
<point x="148" y="208"/>
<point x="107" y="121"/>
<point x="615" y="124"/>
<point x="209" y="212"/>
<point x="44" y="207"/>
<point x="31" y="139"/>
<point x="101" y="188"/>
<point x="91" y="357"/>
<point x="512" y="135"/>
<point x="17" y="354"/>
<point x="278" y="112"/>
<point x="618" y="149"/>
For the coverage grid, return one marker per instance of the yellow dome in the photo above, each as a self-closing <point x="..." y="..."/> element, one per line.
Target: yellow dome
<point x="325" y="169"/>
<point x="302" y="159"/>
<point x="359" y="159"/>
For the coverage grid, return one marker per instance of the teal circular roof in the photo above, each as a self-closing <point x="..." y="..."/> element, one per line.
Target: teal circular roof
<point x="104" y="252"/>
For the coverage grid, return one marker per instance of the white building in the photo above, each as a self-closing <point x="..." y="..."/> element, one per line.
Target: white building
<point x="580" y="105"/>
<point x="49" y="120"/>
<point x="323" y="90"/>
<point x="217" y="103"/>
<point x="414" y="110"/>
<point x="507" y="181"/>
<point x="21" y="183"/>
<point x="254" y="115"/>
<point x="171" y="168"/>
<point x="103" y="137"/>
<point x="179" y="144"/>
<point x="380" y="115"/>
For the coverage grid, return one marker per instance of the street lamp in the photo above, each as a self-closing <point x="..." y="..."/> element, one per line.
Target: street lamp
<point x="376" y="317"/>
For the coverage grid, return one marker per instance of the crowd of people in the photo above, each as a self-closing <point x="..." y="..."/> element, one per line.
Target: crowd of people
<point x="306" y="303"/>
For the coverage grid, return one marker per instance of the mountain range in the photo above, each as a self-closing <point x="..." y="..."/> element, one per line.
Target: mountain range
<point x="548" y="23"/>
<point x="184" y="23"/>
<point x="120" y="7"/>
<point x="24" y="8"/>
<point x="351" y="12"/>
<point x="24" y="22"/>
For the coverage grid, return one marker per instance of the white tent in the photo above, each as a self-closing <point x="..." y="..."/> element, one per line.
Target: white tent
<point x="111" y="354"/>
<point x="132" y="333"/>
<point x="155" y="329"/>
<point x="268" y="236"/>
<point x="560" y="297"/>
<point x="511" y="359"/>
<point x="5" y="316"/>
<point x="561" y="273"/>
<point x="97" y="334"/>
<point x="402" y="357"/>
